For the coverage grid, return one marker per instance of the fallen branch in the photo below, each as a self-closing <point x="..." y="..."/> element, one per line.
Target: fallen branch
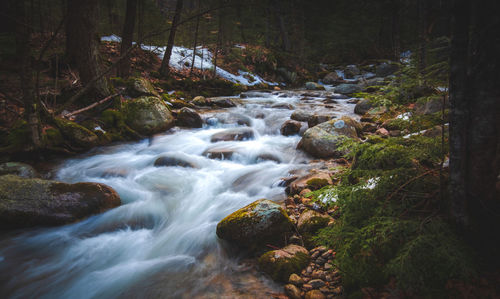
<point x="68" y="115"/>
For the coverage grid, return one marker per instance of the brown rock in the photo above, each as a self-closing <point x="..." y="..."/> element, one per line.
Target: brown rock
<point x="315" y="294"/>
<point x="296" y="280"/>
<point x="292" y="291"/>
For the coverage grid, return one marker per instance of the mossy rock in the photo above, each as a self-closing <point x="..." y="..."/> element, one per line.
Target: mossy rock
<point x="17" y="168"/>
<point x="200" y="101"/>
<point x="19" y="135"/>
<point x="137" y="87"/>
<point x="178" y="104"/>
<point x="280" y="264"/>
<point x="317" y="183"/>
<point x="33" y="202"/>
<point x="116" y="128"/>
<point x="53" y="137"/>
<point x="253" y="227"/>
<point x="148" y="115"/>
<point x="76" y="134"/>
<point x="309" y="223"/>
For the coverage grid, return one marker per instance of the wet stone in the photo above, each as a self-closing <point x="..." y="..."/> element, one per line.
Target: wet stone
<point x="307" y="287"/>
<point x="317" y="283"/>
<point x="296" y="280"/>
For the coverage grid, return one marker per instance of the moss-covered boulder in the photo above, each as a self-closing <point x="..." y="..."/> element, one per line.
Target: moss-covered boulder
<point x="312" y="181"/>
<point x="253" y="227"/>
<point x="149" y="115"/>
<point x="309" y="223"/>
<point x="314" y="86"/>
<point x="200" y="101"/>
<point x="280" y="264"/>
<point x="76" y="134"/>
<point x="137" y="87"/>
<point x="363" y="106"/>
<point x="348" y="88"/>
<point x="322" y="141"/>
<point x="17" y="168"/>
<point x="33" y="202"/>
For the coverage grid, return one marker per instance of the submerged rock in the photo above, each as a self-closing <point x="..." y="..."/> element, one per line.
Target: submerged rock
<point x="237" y="134"/>
<point x="322" y="141"/>
<point x="149" y="115"/>
<point x="189" y="118"/>
<point x="256" y="225"/>
<point x="17" y="168"/>
<point x="281" y="263"/>
<point x="219" y="153"/>
<point x="170" y="160"/>
<point x="32" y="202"/>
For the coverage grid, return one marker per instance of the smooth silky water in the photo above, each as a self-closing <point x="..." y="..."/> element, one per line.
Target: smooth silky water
<point x="161" y="242"/>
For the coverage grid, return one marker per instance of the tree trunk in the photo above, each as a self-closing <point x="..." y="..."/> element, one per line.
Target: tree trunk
<point x="195" y="44"/>
<point x="422" y="32"/>
<point x="395" y="36"/>
<point x="82" y="45"/>
<point x="164" y="69"/>
<point x="282" y="26"/>
<point x="127" y="37"/>
<point x="23" y="50"/>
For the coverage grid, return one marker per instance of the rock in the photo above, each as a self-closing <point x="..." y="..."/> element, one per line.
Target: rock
<point x="351" y="71"/>
<point x="386" y="69"/>
<point x="433" y="105"/>
<point x="382" y="132"/>
<point x="311" y="181"/>
<point x="328" y="266"/>
<point x="235" y="118"/>
<point x="332" y="78"/>
<point x="76" y="134"/>
<point x="309" y="223"/>
<point x="17" y="168"/>
<point x="149" y="115"/>
<point x="314" y="294"/>
<point x="377" y="81"/>
<point x="281" y="263"/>
<point x="290" y="127"/>
<point x="322" y="141"/>
<point x="33" y="202"/>
<point x="318" y="119"/>
<point x="138" y="87"/>
<point x="200" y="101"/>
<point x="301" y="115"/>
<point x="282" y="106"/>
<point x="375" y="111"/>
<point x="178" y="104"/>
<point x="348" y="88"/>
<point x="363" y="106"/>
<point x="292" y="291"/>
<point x="222" y="102"/>
<point x="314" y="86"/>
<point x="189" y="118"/>
<point x="219" y="153"/>
<point x="317" y="283"/>
<point x="171" y="160"/>
<point x="296" y="280"/>
<point x="237" y="134"/>
<point x="256" y="225"/>
<point x="369" y="127"/>
<point x="268" y="157"/>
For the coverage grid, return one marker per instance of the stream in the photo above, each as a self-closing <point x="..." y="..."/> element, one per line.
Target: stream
<point x="161" y="242"/>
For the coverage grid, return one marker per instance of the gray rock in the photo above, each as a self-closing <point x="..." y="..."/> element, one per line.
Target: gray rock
<point x="149" y="115"/>
<point x="138" y="87"/>
<point x="318" y="119"/>
<point x="237" y="134"/>
<point x="322" y="141"/>
<point x="222" y="102"/>
<point x="301" y="115"/>
<point x="363" y="106"/>
<point x="351" y="71"/>
<point x="314" y="86"/>
<point x="189" y="118"/>
<point x="219" y="153"/>
<point x="316" y="283"/>
<point x="332" y="78"/>
<point x="385" y="69"/>
<point x="170" y="160"/>
<point x="348" y="88"/>
<point x="33" y="202"/>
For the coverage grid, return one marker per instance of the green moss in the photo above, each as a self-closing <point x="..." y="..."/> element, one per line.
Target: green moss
<point x="19" y="135"/>
<point x="280" y="269"/>
<point x="316" y="183"/>
<point x="53" y="137"/>
<point x="76" y="134"/>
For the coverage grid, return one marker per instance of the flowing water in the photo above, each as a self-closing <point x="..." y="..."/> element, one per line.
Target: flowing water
<point x="161" y="242"/>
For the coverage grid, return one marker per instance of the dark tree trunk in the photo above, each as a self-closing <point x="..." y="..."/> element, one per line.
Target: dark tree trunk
<point x="395" y="36"/>
<point x="82" y="44"/>
<point x="282" y="26"/>
<point x="164" y="69"/>
<point x="475" y="122"/>
<point x="127" y="37"/>
<point x="23" y="50"/>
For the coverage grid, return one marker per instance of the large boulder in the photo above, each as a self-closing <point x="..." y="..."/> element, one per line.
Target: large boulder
<point x="281" y="263"/>
<point x="317" y="119"/>
<point x="332" y="78"/>
<point x="149" y="115"/>
<point x="322" y="141"/>
<point x="290" y="127"/>
<point x="314" y="86"/>
<point x="189" y="118"/>
<point x="200" y="101"/>
<point x="253" y="227"/>
<point x="237" y="134"/>
<point x="348" y="88"/>
<point x="32" y="202"/>
<point x="76" y="134"/>
<point x="19" y="169"/>
<point x="385" y="69"/>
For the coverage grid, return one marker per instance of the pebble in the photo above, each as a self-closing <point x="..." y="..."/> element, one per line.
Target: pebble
<point x="315" y="294"/>
<point x="317" y="283"/>
<point x="320" y="261"/>
<point x="292" y="292"/>
<point x="326" y="254"/>
<point x="328" y="266"/>
<point x="307" y="287"/>
<point x="315" y="255"/>
<point x="295" y="280"/>
<point x="309" y="270"/>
